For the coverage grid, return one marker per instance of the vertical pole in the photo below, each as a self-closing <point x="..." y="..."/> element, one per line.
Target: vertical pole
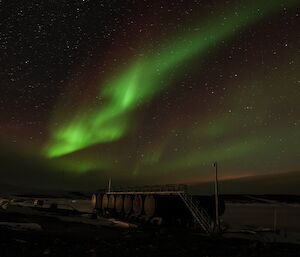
<point x="109" y="185"/>
<point x="216" y="196"/>
<point x="275" y="220"/>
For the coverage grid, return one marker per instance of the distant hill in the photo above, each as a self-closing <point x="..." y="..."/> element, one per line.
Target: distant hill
<point x="279" y="183"/>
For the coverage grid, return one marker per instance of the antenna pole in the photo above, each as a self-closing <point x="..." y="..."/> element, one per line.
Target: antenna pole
<point x="217" y="196"/>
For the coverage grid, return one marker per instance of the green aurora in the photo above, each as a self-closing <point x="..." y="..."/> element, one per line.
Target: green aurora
<point x="147" y="76"/>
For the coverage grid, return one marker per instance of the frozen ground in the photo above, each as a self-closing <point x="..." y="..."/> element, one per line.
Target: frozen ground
<point x="280" y="217"/>
<point x="26" y="230"/>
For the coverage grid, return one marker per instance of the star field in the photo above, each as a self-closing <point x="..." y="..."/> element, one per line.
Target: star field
<point x="151" y="90"/>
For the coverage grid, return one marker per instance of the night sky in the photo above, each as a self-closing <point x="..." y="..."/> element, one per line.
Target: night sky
<point x="148" y="92"/>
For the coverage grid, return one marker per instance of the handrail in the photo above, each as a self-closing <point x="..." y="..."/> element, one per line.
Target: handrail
<point x="200" y="215"/>
<point x="151" y="188"/>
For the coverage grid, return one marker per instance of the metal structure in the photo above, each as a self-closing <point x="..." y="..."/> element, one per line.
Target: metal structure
<point x="168" y="202"/>
<point x="153" y="189"/>
<point x="199" y="214"/>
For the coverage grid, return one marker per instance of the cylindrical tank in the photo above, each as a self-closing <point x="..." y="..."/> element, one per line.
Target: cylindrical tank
<point x="165" y="206"/>
<point x="127" y="204"/>
<point x="149" y="206"/>
<point x="111" y="202"/>
<point x="137" y="205"/>
<point x="104" y="202"/>
<point x="94" y="201"/>
<point x="119" y="203"/>
<point x="97" y="201"/>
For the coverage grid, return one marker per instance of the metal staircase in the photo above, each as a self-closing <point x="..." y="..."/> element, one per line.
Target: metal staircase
<point x="199" y="214"/>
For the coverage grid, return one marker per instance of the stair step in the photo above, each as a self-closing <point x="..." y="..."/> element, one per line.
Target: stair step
<point x="198" y="212"/>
